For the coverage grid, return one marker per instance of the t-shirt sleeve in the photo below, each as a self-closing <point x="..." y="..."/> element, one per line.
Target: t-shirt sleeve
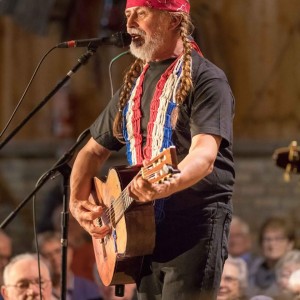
<point x="102" y="128"/>
<point x="212" y="109"/>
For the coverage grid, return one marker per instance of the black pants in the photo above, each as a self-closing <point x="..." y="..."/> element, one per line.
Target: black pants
<point x="191" y="248"/>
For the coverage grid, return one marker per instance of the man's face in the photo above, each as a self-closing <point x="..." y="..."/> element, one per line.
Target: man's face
<point x="229" y="287"/>
<point x="51" y="251"/>
<point x="149" y="31"/>
<point x="22" y="283"/>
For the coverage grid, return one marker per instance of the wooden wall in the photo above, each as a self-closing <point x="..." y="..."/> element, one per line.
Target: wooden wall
<point x="257" y="44"/>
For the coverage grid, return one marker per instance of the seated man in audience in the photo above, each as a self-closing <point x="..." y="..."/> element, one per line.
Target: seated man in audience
<point x="21" y="279"/>
<point x="5" y="253"/>
<point x="276" y="238"/>
<point x="78" y="288"/>
<point x="234" y="280"/>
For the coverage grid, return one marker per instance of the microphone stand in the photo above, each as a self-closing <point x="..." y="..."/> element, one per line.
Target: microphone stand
<point x="61" y="166"/>
<point x="81" y="61"/>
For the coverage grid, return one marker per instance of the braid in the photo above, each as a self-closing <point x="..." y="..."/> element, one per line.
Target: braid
<point x="186" y="28"/>
<point x="186" y="80"/>
<point x="129" y="78"/>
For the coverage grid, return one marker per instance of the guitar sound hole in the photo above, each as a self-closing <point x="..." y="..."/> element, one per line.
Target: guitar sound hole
<point x="99" y="222"/>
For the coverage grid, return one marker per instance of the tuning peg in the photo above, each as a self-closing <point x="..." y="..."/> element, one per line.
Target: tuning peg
<point x="286" y="174"/>
<point x="293" y="154"/>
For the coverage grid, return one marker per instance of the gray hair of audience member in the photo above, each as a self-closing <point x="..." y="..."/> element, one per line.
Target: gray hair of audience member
<point x="291" y="257"/>
<point x="241" y="266"/>
<point x="242" y="224"/>
<point x="17" y="258"/>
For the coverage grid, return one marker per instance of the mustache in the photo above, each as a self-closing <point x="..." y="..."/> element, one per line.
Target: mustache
<point x="137" y="31"/>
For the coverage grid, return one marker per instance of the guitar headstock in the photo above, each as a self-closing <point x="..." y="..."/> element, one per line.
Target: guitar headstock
<point x="163" y="166"/>
<point x="288" y="158"/>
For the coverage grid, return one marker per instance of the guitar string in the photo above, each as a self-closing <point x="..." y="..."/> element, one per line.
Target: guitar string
<point x="115" y="208"/>
<point x="119" y="202"/>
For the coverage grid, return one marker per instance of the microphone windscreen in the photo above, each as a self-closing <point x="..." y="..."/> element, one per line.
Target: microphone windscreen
<point x="121" y="39"/>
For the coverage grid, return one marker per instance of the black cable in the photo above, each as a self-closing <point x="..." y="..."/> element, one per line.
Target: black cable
<point x="25" y="92"/>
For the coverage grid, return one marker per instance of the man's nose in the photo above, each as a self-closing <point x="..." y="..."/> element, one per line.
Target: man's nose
<point x="33" y="290"/>
<point x="131" y="21"/>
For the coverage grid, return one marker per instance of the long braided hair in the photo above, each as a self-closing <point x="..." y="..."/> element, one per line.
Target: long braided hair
<point x="185" y="29"/>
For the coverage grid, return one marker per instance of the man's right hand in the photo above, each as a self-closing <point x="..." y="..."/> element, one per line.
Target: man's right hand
<point x="86" y="213"/>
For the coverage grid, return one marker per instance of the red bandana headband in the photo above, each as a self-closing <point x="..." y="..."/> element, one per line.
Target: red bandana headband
<point x="169" y="5"/>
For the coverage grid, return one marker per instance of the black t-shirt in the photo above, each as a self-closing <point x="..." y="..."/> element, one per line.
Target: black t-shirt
<point x="208" y="109"/>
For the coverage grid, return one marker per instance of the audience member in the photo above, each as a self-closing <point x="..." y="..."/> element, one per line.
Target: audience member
<point x="5" y="252"/>
<point x="53" y="199"/>
<point x="21" y="279"/>
<point x="276" y="237"/>
<point x="289" y="263"/>
<point x="78" y="288"/>
<point x="294" y="285"/>
<point x="234" y="280"/>
<point x="81" y="243"/>
<point x="240" y="243"/>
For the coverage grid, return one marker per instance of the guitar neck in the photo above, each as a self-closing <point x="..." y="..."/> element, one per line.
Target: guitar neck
<point x="157" y="170"/>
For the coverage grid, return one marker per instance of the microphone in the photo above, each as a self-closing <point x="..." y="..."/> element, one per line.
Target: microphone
<point x="119" y="39"/>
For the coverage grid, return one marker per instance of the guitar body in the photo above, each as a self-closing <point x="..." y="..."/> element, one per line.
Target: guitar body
<point x="119" y="255"/>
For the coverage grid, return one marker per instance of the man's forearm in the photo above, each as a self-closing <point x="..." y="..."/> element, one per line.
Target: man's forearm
<point x="87" y="164"/>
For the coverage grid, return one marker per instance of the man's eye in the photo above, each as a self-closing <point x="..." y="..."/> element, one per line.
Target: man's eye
<point x="23" y="284"/>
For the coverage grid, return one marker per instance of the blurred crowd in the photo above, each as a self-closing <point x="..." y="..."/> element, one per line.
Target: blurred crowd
<point x="262" y="265"/>
<point x="26" y="275"/>
<point x="265" y="269"/>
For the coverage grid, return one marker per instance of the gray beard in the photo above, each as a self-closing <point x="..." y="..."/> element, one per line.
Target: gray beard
<point x="146" y="51"/>
<point x="140" y="53"/>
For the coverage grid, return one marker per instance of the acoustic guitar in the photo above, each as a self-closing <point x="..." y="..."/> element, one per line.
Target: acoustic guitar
<point x="119" y="255"/>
